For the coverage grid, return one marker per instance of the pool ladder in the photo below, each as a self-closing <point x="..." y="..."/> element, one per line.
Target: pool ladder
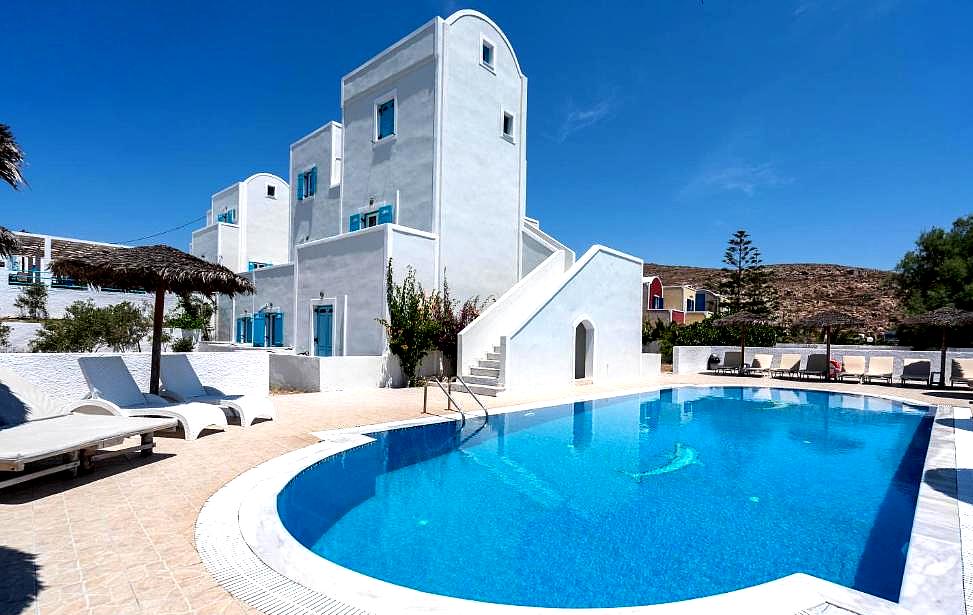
<point x="450" y="402"/>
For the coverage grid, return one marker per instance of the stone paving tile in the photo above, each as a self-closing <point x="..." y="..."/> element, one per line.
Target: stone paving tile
<point x="120" y="539"/>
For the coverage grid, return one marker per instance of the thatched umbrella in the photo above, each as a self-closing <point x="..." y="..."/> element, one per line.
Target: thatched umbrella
<point x="743" y="321"/>
<point x="9" y="244"/>
<point x="159" y="268"/>
<point x="944" y="319"/>
<point x="829" y="321"/>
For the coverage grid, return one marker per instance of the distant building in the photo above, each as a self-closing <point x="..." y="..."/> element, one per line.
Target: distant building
<point x="31" y="264"/>
<point x="681" y="304"/>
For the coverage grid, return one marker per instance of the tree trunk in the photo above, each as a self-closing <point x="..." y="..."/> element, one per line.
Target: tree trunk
<point x="827" y="345"/>
<point x="160" y="308"/>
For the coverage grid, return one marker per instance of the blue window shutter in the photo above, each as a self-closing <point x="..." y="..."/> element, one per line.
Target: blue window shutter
<point x="279" y="330"/>
<point x="354" y="222"/>
<point x="386" y="119"/>
<point x="385" y="214"/>
<point x="239" y="329"/>
<point x="259" y="328"/>
<point x="300" y="186"/>
<point x="314" y="181"/>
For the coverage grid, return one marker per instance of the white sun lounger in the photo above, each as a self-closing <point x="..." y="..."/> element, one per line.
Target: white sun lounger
<point x="790" y="365"/>
<point x="760" y="364"/>
<point x="114" y="391"/>
<point x="853" y="366"/>
<point x="879" y="368"/>
<point x="961" y="372"/>
<point x="34" y="427"/>
<point x="917" y="370"/>
<point x="180" y="383"/>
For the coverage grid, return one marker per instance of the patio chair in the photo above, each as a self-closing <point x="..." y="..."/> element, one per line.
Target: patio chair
<point x="853" y="366"/>
<point x="790" y="365"/>
<point x="879" y="368"/>
<point x="114" y="391"/>
<point x="732" y="362"/>
<point x="181" y="384"/>
<point x="760" y="364"/>
<point x="817" y="365"/>
<point x="961" y="372"/>
<point x="36" y="428"/>
<point x="917" y="370"/>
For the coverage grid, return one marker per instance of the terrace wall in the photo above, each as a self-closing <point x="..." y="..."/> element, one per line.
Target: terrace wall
<point x="60" y="376"/>
<point x="693" y="359"/>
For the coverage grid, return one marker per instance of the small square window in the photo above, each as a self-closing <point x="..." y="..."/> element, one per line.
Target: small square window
<point x="507" y="126"/>
<point x="271" y="191"/>
<point x="486" y="53"/>
<point x="370" y="220"/>
<point x="385" y="119"/>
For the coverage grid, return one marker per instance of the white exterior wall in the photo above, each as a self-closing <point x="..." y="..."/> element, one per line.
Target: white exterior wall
<point x="60" y="376"/>
<point x="319" y="216"/>
<point x="401" y="166"/>
<point x="603" y="288"/>
<point x="264" y="221"/>
<point x="274" y="285"/>
<point x="229" y="246"/>
<point x="205" y="244"/>
<point x="349" y="271"/>
<point x="483" y="175"/>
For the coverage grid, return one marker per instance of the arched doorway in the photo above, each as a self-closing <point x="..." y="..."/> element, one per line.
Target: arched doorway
<point x="584" y="338"/>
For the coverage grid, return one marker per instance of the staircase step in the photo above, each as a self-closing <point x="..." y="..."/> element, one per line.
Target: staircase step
<point x="494" y="356"/>
<point x="496" y="349"/>
<point x="485" y="371"/>
<point x="471" y="380"/>
<point x="489" y="363"/>
<point x="480" y="389"/>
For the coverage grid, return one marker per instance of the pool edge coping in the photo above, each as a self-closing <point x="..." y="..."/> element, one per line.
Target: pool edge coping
<point x="252" y="507"/>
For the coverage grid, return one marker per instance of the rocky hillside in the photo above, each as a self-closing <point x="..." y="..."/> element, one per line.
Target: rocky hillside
<point x="807" y="288"/>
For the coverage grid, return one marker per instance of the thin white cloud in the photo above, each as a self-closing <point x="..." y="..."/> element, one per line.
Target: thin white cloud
<point x="578" y="119"/>
<point x="802" y="7"/>
<point x="739" y="177"/>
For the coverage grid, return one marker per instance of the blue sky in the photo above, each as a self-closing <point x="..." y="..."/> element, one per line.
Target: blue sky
<point x="834" y="131"/>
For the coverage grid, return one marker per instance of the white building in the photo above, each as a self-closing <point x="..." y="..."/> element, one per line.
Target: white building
<point x="428" y="168"/>
<point x="246" y="229"/>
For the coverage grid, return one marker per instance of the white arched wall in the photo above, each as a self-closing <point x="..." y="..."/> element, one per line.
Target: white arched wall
<point x="604" y="288"/>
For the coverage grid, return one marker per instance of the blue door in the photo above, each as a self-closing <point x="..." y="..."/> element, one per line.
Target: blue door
<point x="323" y="321"/>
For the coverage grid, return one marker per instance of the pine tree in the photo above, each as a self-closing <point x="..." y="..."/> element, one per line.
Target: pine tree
<point x="747" y="284"/>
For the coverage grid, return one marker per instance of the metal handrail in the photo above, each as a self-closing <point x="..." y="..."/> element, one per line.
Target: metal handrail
<point x="449" y="399"/>
<point x="474" y="395"/>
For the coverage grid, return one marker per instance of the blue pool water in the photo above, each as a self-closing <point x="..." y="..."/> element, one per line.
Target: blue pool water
<point x="627" y="501"/>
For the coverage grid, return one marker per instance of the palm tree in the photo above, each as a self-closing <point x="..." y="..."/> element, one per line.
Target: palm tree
<point x="11" y="161"/>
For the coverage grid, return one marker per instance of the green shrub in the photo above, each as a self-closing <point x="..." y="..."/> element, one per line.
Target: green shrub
<point x="193" y="312"/>
<point x="705" y="333"/>
<point x="32" y="301"/>
<point x="86" y="328"/>
<point x="411" y="326"/>
<point x="182" y="345"/>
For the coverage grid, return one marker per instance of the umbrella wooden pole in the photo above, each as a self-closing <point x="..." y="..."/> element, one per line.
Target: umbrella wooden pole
<point x="942" y="362"/>
<point x="160" y="308"/>
<point x="743" y="348"/>
<point x="827" y="346"/>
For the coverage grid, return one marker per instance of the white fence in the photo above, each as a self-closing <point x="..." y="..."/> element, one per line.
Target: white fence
<point x="694" y="359"/>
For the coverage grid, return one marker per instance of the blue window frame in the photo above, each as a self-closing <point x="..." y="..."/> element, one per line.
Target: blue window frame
<point x="307" y="183"/>
<point x="385" y="119"/>
<point x="228" y="216"/>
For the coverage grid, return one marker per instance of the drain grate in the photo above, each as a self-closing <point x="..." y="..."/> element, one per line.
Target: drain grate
<point x="239" y="571"/>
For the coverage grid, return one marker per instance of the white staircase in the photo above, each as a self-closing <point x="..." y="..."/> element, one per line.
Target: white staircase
<point x="484" y="378"/>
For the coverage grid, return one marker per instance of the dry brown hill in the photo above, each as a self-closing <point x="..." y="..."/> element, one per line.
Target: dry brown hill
<point x="807" y="288"/>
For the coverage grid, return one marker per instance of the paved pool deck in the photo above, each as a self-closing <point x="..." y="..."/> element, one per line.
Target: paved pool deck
<point x="120" y="539"/>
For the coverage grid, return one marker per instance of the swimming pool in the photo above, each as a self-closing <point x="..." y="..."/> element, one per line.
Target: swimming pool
<point x="634" y="500"/>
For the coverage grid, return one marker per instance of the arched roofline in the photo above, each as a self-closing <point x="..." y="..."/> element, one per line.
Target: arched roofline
<point x="471" y="13"/>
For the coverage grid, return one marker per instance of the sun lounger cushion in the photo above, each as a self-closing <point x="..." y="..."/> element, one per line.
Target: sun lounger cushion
<point x="40" y="439"/>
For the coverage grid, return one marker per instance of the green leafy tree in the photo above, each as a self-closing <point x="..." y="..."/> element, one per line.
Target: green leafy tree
<point x="411" y="327"/>
<point x="32" y="301"/>
<point x="451" y="317"/>
<point x="938" y="272"/>
<point x="124" y="326"/>
<point x="4" y="335"/>
<point x="87" y="328"/>
<point x="747" y="283"/>
<point x="182" y="345"/>
<point x="704" y="333"/>
<point x="191" y="313"/>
